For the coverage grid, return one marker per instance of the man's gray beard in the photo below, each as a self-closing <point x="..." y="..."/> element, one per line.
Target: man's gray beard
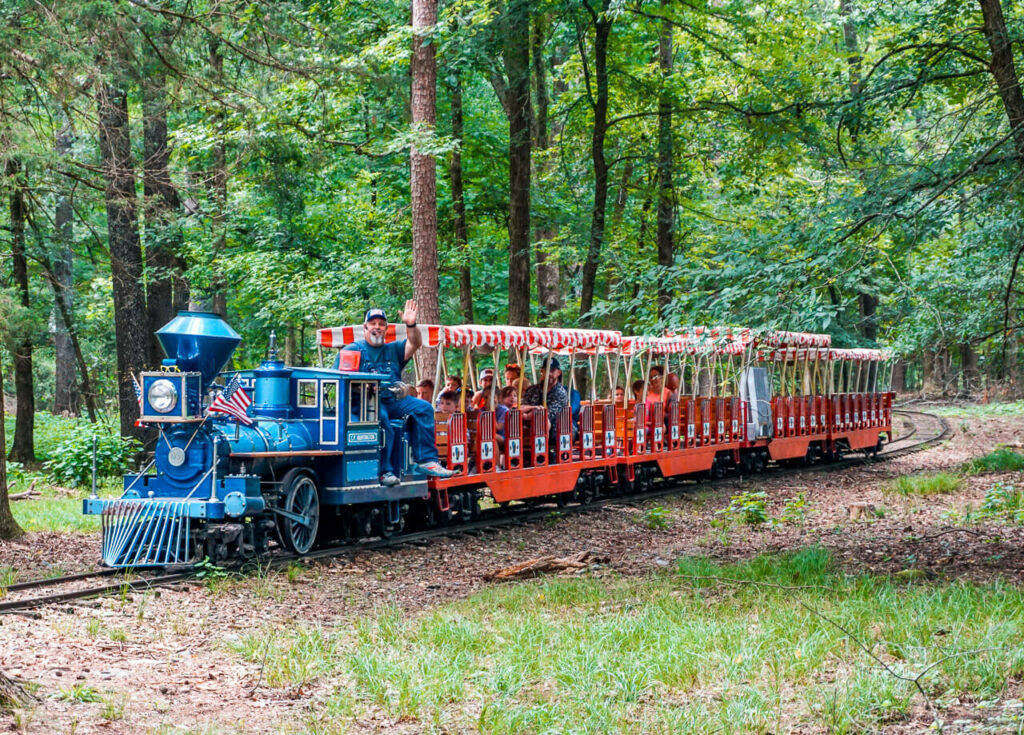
<point x="374" y="340"/>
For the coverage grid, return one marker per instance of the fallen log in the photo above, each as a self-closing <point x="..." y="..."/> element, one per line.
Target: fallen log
<point x="27" y="494"/>
<point x="547" y="565"/>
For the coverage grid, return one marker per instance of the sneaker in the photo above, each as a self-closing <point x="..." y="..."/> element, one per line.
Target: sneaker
<point x="434" y="469"/>
<point x="389" y="479"/>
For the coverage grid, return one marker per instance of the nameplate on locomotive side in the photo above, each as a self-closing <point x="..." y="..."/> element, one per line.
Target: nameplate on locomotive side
<point x="362" y="437"/>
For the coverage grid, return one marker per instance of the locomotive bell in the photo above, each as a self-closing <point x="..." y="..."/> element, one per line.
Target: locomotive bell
<point x="199" y="341"/>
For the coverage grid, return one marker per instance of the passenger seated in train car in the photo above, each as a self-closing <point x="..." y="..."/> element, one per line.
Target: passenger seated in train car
<point x="557" y="399"/>
<point x="672" y="386"/>
<point x="448" y="402"/>
<point x="388" y="359"/>
<point x="637" y="388"/>
<point x="620" y="393"/>
<point x="512" y="373"/>
<point x="656" y="390"/>
<point x="452" y="383"/>
<point x="508" y="399"/>
<point x="482" y="398"/>
<point x="425" y="390"/>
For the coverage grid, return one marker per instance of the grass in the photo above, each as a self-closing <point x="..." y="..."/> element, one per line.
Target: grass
<point x="979" y="410"/>
<point x="1003" y="459"/>
<point x="933" y="483"/>
<point x="674" y="652"/>
<point x="54" y="514"/>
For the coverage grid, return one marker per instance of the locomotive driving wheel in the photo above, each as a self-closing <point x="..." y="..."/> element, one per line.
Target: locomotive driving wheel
<point x="298" y="517"/>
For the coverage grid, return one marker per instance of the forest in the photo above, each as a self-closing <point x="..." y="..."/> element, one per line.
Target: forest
<point x="840" y="166"/>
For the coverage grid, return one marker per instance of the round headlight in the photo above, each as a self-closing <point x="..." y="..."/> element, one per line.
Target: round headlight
<point x="163" y="396"/>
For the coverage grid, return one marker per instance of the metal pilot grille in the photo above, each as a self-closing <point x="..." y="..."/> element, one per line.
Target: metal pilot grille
<point x="457" y="458"/>
<point x="587" y="432"/>
<point x="513" y="439"/>
<point x="146" y="533"/>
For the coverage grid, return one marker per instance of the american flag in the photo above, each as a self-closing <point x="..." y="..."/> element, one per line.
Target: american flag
<point x="138" y="397"/>
<point x="233" y="401"/>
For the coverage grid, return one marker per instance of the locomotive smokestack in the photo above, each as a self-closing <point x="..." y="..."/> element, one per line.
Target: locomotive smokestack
<point x="199" y="342"/>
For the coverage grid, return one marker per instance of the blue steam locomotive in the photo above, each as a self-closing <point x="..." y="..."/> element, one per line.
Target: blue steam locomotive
<point x="306" y="467"/>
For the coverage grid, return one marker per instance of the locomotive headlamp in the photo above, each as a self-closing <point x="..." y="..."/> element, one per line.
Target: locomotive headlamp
<point x="163" y="396"/>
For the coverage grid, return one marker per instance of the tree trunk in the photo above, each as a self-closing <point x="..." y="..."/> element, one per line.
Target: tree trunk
<point x="602" y="30"/>
<point x="219" y="184"/>
<point x="12" y="694"/>
<point x="65" y="389"/>
<point x="899" y="377"/>
<point x="161" y="209"/>
<point x="423" y="175"/>
<point x="459" y="204"/>
<point x="549" y="295"/>
<point x="130" y="322"/>
<point x="520" y="114"/>
<point x="1004" y="71"/>
<point x="9" y="527"/>
<point x="67" y="318"/>
<point x="969" y="369"/>
<point x="22" y="449"/>
<point x="666" y="192"/>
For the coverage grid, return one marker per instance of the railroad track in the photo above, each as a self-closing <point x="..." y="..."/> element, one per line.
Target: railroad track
<point x="491" y="520"/>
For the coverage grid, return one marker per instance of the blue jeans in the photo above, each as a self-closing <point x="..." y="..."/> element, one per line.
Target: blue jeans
<point x="419" y="417"/>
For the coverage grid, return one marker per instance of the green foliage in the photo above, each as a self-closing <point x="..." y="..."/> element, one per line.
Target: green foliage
<point x="1003" y="502"/>
<point x="794" y="511"/>
<point x="935" y="483"/>
<point x="79" y="694"/>
<point x="1001" y="460"/>
<point x="748" y="508"/>
<point x="71" y="463"/>
<point x="657" y="517"/>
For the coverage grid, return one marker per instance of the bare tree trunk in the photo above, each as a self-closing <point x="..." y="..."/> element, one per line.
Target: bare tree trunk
<point x="666" y="191"/>
<point x="65" y="390"/>
<point x="520" y="114"/>
<point x="67" y="318"/>
<point x="130" y="323"/>
<point x="1004" y="71"/>
<point x="459" y="204"/>
<point x="602" y="30"/>
<point x="219" y="185"/>
<point x="12" y="694"/>
<point x="9" y="527"/>
<point x="161" y="208"/>
<point x="899" y="377"/>
<point x="423" y="174"/>
<point x="549" y="295"/>
<point x="23" y="448"/>
<point x="969" y="369"/>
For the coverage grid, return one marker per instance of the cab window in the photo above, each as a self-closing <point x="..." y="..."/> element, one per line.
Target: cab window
<point x="307" y="394"/>
<point x="362" y="401"/>
<point x="329" y="399"/>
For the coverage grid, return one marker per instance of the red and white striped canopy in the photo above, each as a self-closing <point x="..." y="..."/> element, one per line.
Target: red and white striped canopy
<point x="795" y="339"/>
<point x="791" y="354"/>
<point x="479" y="335"/>
<point x="341" y="336"/>
<point x="863" y="355"/>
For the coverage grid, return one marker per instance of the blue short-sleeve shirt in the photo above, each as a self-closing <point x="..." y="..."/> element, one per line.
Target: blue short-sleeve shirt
<point x="388" y="359"/>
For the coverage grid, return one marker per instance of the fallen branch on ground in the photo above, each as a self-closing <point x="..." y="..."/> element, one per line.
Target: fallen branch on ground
<point x="12" y="693"/>
<point x="548" y="564"/>
<point x="27" y="494"/>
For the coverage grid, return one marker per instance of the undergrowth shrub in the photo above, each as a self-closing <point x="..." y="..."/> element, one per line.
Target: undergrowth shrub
<point x="936" y="483"/>
<point x="1003" y="501"/>
<point x="748" y="508"/>
<point x="1002" y="459"/>
<point x="71" y="462"/>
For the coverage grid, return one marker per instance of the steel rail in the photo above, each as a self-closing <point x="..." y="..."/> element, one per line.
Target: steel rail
<point x="502" y="518"/>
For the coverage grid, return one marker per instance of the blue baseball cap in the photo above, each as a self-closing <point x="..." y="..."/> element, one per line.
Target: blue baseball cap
<point x="374" y="314"/>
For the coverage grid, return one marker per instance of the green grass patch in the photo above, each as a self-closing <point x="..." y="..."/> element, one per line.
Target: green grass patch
<point x="54" y="514"/>
<point x="979" y="410"/>
<point x="679" y="651"/>
<point x="1003" y="459"/>
<point x="933" y="483"/>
